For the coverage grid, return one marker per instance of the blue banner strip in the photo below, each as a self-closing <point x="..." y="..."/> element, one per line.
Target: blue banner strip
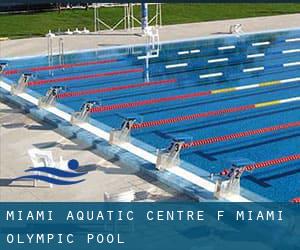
<point x="149" y="226"/>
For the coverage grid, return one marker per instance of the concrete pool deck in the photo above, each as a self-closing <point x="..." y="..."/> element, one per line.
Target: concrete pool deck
<point x="19" y="133"/>
<point x="38" y="45"/>
<point x="108" y="177"/>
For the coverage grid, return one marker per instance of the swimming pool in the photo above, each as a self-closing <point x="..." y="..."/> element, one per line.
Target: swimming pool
<point x="232" y="98"/>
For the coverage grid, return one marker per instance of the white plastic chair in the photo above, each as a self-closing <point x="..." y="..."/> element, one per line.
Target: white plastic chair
<point x="128" y="196"/>
<point x="69" y="32"/>
<point x="50" y="34"/>
<point x="85" y="31"/>
<point x="77" y="31"/>
<point x="40" y="158"/>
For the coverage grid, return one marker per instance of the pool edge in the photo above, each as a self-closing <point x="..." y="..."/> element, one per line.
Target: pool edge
<point x="105" y="150"/>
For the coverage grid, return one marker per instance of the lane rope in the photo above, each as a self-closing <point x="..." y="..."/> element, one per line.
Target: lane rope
<point x="240" y="135"/>
<point x="188" y="96"/>
<point x="296" y="200"/>
<point x="160" y="122"/>
<point x="147" y="102"/>
<point x="269" y="163"/>
<point x="65" y="66"/>
<point x="80" y="77"/>
<point x="111" y="89"/>
<point x="191" y="117"/>
<point x="263" y="164"/>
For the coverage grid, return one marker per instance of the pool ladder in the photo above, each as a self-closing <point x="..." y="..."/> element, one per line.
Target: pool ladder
<point x="153" y="48"/>
<point x="61" y="53"/>
<point x="50" y="53"/>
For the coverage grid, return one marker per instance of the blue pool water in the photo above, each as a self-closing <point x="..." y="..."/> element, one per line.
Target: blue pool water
<point x="237" y="61"/>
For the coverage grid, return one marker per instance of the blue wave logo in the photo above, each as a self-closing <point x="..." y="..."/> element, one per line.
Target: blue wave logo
<point x="62" y="174"/>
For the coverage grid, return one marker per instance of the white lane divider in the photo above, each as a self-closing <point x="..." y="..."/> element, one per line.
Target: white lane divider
<point x="178" y="65"/>
<point x="194" y="51"/>
<point x="186" y="52"/>
<point x="261" y="44"/>
<point x="290" y="51"/>
<point x="147" y="56"/>
<point x="290" y="80"/>
<point x="256" y="55"/>
<point x="183" y="52"/>
<point x="291" y="40"/>
<point x="294" y="99"/>
<point x="226" y="47"/>
<point x="255" y="85"/>
<point x="291" y="64"/>
<point x="211" y="75"/>
<point x="253" y="69"/>
<point x="218" y="60"/>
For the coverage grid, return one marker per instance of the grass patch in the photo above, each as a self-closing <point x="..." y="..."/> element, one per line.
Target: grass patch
<point x="38" y="24"/>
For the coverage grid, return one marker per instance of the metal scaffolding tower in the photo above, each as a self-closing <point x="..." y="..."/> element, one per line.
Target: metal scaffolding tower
<point x="129" y="20"/>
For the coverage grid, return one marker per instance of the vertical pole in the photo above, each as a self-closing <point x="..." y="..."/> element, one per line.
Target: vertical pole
<point x="50" y="52"/>
<point x="132" y="15"/>
<point x="61" y="51"/>
<point x="128" y="16"/>
<point x="160" y="15"/>
<point x="124" y="17"/>
<point x="147" y="73"/>
<point x="95" y="17"/>
<point x="144" y="14"/>
<point x="156" y="14"/>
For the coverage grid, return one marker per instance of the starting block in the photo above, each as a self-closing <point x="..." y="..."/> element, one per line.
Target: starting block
<point x="231" y="185"/>
<point x="122" y="135"/>
<point x="84" y="113"/>
<point x="170" y="157"/>
<point x="226" y="188"/>
<point x="22" y="84"/>
<point x="50" y="97"/>
<point x="236" y="29"/>
<point x="3" y="65"/>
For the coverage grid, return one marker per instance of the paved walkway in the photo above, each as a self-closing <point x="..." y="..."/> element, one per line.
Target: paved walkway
<point x="35" y="46"/>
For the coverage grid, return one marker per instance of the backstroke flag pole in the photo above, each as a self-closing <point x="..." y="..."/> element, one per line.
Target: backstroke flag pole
<point x="144" y="10"/>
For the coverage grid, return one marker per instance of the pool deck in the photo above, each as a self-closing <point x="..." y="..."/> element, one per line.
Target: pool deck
<point x="106" y="176"/>
<point x="38" y="45"/>
<point x="18" y="133"/>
